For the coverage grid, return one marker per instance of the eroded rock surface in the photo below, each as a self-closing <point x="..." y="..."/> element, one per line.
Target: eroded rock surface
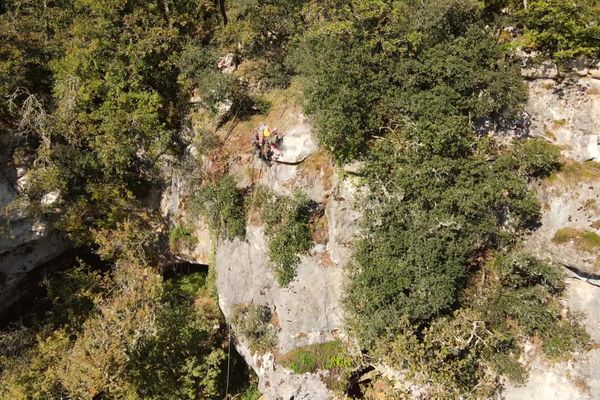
<point x="309" y="311"/>
<point x="576" y="379"/>
<point x="568" y="114"/>
<point x="567" y="205"/>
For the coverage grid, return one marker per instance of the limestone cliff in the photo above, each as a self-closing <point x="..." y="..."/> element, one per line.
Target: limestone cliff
<point x="563" y="110"/>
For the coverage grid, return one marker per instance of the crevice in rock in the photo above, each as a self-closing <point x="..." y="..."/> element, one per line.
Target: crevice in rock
<point x="183" y="269"/>
<point x="583" y="276"/>
<point x="356" y="379"/>
<point x="30" y="292"/>
<point x="289" y="162"/>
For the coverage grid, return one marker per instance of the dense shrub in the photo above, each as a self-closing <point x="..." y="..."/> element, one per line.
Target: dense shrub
<point x="222" y="204"/>
<point x="563" y="29"/>
<point x="286" y="225"/>
<point x="218" y="91"/>
<point x="462" y="352"/>
<point x="181" y="234"/>
<point x="404" y="87"/>
<point x="127" y="334"/>
<point x="434" y="75"/>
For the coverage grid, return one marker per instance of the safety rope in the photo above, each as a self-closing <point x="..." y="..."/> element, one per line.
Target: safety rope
<point x="252" y="189"/>
<point x="228" y="361"/>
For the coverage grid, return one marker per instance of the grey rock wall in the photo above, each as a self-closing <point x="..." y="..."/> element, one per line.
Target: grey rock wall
<point x="567" y="113"/>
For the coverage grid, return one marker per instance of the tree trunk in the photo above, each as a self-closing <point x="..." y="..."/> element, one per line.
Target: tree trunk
<point x="223" y="11"/>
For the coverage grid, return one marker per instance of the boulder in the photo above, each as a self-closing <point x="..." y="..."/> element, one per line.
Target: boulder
<point x="298" y="144"/>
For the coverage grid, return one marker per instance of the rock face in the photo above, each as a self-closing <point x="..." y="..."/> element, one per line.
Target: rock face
<point x="568" y="114"/>
<point x="24" y="243"/>
<point x="567" y="205"/>
<point x="297" y="144"/>
<point x="309" y="311"/>
<point x="179" y="187"/>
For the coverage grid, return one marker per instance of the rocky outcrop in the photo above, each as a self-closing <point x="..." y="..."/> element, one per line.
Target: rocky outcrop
<point x="563" y="111"/>
<point x="297" y="145"/>
<point x="577" y="378"/>
<point x="569" y="206"/>
<point x="25" y="243"/>
<point x="567" y="113"/>
<point x="309" y="311"/>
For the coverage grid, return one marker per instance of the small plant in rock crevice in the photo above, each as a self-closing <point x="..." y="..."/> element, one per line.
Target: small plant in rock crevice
<point x="181" y="235"/>
<point x="254" y="323"/>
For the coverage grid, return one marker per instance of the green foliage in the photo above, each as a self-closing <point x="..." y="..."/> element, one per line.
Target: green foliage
<point x="252" y="393"/>
<point x="434" y="216"/>
<point x="254" y="322"/>
<point x="461" y="353"/>
<point x="431" y="72"/>
<point x="222" y="204"/>
<point x="408" y="87"/>
<point x="286" y="225"/>
<point x="93" y="87"/>
<point x="324" y="356"/>
<point x="196" y="369"/>
<point x="181" y="234"/>
<point x="535" y="158"/>
<point x="72" y="295"/>
<point x="518" y="271"/>
<point x="584" y="240"/>
<point x="133" y="336"/>
<point x="261" y="31"/>
<point x="525" y="295"/>
<point x="198" y="66"/>
<point x="563" y="30"/>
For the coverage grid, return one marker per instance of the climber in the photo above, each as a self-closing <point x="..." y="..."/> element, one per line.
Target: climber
<point x="266" y="141"/>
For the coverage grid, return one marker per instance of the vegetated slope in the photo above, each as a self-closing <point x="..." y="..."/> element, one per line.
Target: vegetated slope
<point x="441" y="256"/>
<point x="98" y="93"/>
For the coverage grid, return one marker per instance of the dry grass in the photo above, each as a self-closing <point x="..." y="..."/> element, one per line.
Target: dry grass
<point x="590" y="205"/>
<point x="236" y="135"/>
<point x="560" y="122"/>
<point x="573" y="172"/>
<point x="587" y="241"/>
<point x="593" y="91"/>
<point x="551" y="135"/>
<point x="319" y="230"/>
